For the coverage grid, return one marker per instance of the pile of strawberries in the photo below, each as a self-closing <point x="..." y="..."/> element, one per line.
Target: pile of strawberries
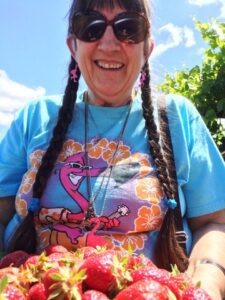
<point x="90" y="274"/>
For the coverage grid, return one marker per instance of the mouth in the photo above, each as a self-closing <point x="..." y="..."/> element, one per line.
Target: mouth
<point x="74" y="178"/>
<point x="109" y="66"/>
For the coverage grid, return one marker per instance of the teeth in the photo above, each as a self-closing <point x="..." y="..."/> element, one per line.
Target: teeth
<point x="74" y="179"/>
<point x="109" y="66"/>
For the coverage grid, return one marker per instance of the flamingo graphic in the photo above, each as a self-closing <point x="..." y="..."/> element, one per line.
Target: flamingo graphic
<point x="71" y="175"/>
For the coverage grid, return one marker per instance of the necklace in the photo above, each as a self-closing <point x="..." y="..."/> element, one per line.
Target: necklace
<point x="107" y="173"/>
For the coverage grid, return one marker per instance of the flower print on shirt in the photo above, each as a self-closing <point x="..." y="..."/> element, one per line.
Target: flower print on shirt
<point x="132" y="205"/>
<point x="149" y="218"/>
<point x="69" y="148"/>
<point x="149" y="189"/>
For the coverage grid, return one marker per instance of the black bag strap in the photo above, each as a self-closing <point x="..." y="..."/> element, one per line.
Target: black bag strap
<point x="167" y="144"/>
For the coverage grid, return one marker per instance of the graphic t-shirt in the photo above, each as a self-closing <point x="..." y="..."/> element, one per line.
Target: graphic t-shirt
<point x="107" y="170"/>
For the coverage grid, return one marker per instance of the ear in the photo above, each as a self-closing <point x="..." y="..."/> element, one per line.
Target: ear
<point x="148" y="48"/>
<point x="71" y="43"/>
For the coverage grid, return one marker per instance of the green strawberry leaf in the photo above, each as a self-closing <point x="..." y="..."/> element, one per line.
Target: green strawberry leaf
<point x="55" y="294"/>
<point x="3" y="283"/>
<point x="56" y="276"/>
<point x="171" y="295"/>
<point x="81" y="275"/>
<point x="198" y="284"/>
<point x="129" y="249"/>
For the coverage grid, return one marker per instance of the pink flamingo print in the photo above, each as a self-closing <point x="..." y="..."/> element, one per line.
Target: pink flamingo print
<point x="71" y="176"/>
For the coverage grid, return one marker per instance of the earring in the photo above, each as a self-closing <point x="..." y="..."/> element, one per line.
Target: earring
<point x="74" y="74"/>
<point x="142" y="78"/>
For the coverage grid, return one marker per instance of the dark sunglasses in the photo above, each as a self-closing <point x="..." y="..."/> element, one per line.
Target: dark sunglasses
<point x="128" y="27"/>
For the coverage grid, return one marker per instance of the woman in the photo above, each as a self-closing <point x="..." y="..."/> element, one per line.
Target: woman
<point x="95" y="171"/>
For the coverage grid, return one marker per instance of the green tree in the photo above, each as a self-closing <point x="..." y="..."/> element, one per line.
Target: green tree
<point x="204" y="85"/>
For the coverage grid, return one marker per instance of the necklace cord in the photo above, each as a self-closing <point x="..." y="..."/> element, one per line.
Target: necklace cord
<point x="91" y="209"/>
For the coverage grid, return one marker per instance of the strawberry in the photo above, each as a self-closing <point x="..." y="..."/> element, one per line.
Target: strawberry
<point x="55" y="249"/>
<point x="14" y="259"/>
<point x="11" y="292"/>
<point x="94" y="295"/>
<point x="160" y="275"/>
<point x="67" y="257"/>
<point x="193" y="293"/>
<point x="107" y="271"/>
<point x="136" y="262"/>
<point x="37" y="292"/>
<point x="182" y="280"/>
<point x="63" y="282"/>
<point x="145" y="289"/>
<point x="86" y="252"/>
<point x="32" y="260"/>
<point x="36" y="266"/>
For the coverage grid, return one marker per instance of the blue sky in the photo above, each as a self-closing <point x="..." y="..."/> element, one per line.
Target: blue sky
<point x="34" y="56"/>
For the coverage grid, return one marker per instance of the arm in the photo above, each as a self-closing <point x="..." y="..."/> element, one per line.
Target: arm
<point x="208" y="242"/>
<point x="7" y="210"/>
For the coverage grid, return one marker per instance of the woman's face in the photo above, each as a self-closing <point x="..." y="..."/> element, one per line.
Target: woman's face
<point x="109" y="67"/>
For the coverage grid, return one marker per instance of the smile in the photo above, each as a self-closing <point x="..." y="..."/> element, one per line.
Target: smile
<point x="74" y="178"/>
<point x="109" y="66"/>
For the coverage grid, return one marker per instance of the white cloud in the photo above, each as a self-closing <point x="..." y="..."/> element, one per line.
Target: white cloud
<point x="210" y="2"/>
<point x="13" y="96"/>
<point x="177" y="35"/>
<point x="203" y="2"/>
<point x="189" y="37"/>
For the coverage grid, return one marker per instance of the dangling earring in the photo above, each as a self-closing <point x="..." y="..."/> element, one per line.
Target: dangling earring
<point x="142" y="78"/>
<point x="73" y="74"/>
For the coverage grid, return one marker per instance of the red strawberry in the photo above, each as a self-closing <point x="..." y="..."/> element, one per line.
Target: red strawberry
<point x="36" y="266"/>
<point x="86" y="252"/>
<point x="55" y="249"/>
<point x="106" y="271"/>
<point x="195" y="294"/>
<point x="11" y="292"/>
<point x="32" y="260"/>
<point x="61" y="257"/>
<point x="64" y="282"/>
<point x="145" y="289"/>
<point x="14" y="259"/>
<point x="136" y="262"/>
<point x="37" y="292"/>
<point x="160" y="275"/>
<point x="182" y="280"/>
<point x="48" y="280"/>
<point x="94" y="295"/>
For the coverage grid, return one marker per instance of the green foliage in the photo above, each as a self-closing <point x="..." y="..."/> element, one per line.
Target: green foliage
<point x="204" y="85"/>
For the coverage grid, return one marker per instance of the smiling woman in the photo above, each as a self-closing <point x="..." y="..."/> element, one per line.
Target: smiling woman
<point x="115" y="165"/>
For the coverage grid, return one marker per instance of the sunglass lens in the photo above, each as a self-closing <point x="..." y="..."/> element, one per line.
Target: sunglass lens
<point x="88" y="28"/>
<point x="130" y="29"/>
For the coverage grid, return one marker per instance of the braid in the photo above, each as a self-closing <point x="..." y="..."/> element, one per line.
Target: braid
<point x="25" y="236"/>
<point x="167" y="251"/>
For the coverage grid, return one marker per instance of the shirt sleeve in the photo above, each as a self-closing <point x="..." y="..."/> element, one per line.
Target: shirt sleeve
<point x="199" y="164"/>
<point x="12" y="159"/>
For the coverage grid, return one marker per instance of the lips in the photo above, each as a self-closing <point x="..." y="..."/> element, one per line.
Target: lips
<point x="109" y="65"/>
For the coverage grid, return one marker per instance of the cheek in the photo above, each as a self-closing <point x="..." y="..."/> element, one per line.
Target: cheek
<point x="83" y="52"/>
<point x="136" y="56"/>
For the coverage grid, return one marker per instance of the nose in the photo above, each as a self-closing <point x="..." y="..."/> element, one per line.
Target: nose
<point x="108" y="41"/>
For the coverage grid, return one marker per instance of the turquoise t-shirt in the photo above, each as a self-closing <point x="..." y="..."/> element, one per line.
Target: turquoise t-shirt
<point x="117" y="175"/>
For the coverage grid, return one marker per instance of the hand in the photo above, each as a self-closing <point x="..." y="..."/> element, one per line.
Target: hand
<point x="207" y="276"/>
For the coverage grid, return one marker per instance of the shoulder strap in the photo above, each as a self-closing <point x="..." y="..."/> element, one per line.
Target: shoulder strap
<point x="168" y="148"/>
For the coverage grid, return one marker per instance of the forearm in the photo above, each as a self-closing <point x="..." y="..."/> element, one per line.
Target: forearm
<point x="209" y="243"/>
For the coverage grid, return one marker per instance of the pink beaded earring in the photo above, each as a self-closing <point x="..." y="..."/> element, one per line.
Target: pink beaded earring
<point x="73" y="74"/>
<point x="142" y="78"/>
